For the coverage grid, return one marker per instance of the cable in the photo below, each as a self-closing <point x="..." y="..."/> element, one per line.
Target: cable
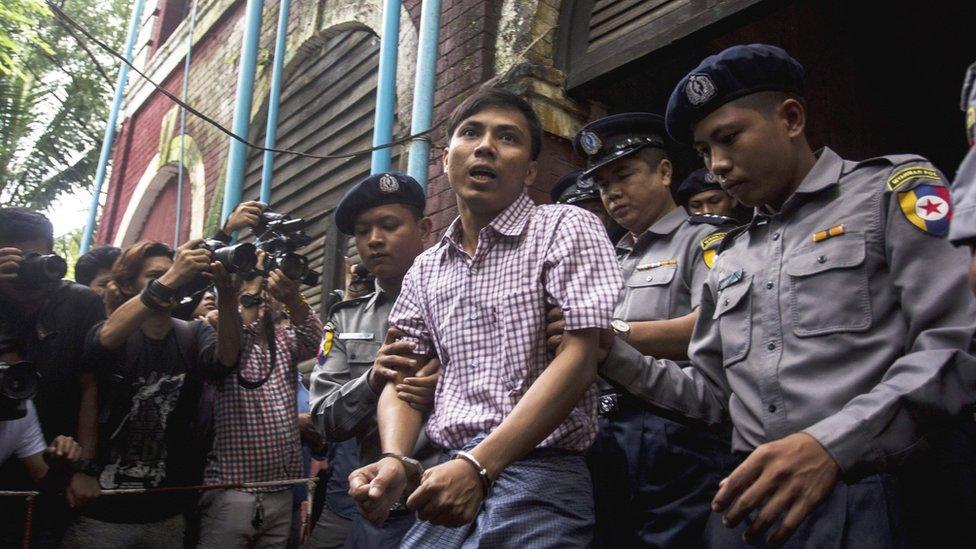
<point x="420" y="135"/>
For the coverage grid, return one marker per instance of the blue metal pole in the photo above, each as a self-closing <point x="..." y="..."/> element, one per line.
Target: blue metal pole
<point x="113" y="119"/>
<point x="183" y="96"/>
<point x="274" y="97"/>
<point x="386" y="87"/>
<point x="423" y="90"/>
<point x="237" y="155"/>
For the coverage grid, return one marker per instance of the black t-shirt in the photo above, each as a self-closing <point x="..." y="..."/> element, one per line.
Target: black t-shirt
<point x="151" y="393"/>
<point x="54" y="340"/>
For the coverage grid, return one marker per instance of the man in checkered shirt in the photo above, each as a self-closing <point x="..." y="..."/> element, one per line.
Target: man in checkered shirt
<point x="514" y="425"/>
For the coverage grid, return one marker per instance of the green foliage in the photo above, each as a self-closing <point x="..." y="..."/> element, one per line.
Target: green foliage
<point x="68" y="246"/>
<point x="54" y="97"/>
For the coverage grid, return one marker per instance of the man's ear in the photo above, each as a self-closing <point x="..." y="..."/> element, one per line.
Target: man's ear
<point x="666" y="170"/>
<point x="447" y="150"/>
<point x="794" y="116"/>
<point x="426" y="226"/>
<point x="531" y="173"/>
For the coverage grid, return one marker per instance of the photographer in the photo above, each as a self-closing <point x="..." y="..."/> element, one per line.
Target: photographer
<point x="153" y="371"/>
<point x="94" y="269"/>
<point x="49" y="467"/>
<point x="50" y="317"/>
<point x="256" y="429"/>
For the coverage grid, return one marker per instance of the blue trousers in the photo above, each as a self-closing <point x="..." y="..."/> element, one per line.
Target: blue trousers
<point x="364" y="535"/>
<point x="542" y="500"/>
<point x="867" y="513"/>
<point x="653" y="479"/>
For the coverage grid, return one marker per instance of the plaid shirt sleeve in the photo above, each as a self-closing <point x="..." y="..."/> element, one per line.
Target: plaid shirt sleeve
<point x="308" y="334"/>
<point x="409" y="315"/>
<point x="583" y="278"/>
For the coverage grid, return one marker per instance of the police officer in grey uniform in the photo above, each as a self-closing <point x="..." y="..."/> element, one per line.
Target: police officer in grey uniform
<point x="573" y="190"/>
<point x="962" y="230"/>
<point x="385" y="214"/>
<point x="653" y="476"/>
<point x="834" y="329"/>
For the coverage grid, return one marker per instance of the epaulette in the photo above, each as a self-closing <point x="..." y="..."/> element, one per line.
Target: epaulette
<point x="349" y="303"/>
<point x="731" y="236"/>
<point x="711" y="219"/>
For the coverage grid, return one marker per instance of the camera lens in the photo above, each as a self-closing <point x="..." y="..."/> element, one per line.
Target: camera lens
<point x="239" y="258"/>
<point x="19" y="381"/>
<point x="293" y="265"/>
<point x="40" y="269"/>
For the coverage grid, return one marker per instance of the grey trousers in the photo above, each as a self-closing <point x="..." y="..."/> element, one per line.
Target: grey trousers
<point x="226" y="519"/>
<point x="330" y="531"/>
<point x="88" y="533"/>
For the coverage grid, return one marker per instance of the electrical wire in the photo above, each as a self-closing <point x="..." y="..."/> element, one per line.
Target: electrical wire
<point x="58" y="12"/>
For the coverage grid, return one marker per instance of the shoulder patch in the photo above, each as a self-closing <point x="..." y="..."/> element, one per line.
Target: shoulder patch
<point x="901" y="176"/>
<point x="709" y="246"/>
<point x="730" y="237"/>
<point x="326" y="346"/>
<point x="710" y="219"/>
<point x="349" y="303"/>
<point x="927" y="207"/>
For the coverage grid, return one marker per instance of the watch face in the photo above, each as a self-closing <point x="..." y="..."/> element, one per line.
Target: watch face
<point x="249" y="300"/>
<point x="619" y="326"/>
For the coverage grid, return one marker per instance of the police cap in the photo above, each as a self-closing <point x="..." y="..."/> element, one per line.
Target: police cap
<point x="572" y="188"/>
<point x="699" y="181"/>
<point x="613" y="137"/>
<point x="726" y="76"/>
<point x="378" y="190"/>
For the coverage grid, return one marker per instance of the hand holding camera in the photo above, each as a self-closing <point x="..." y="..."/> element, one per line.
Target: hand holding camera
<point x="31" y="267"/>
<point x="246" y="214"/>
<point x="190" y="260"/>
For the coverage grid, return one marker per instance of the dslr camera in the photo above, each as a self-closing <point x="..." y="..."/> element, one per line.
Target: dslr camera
<point x="19" y="379"/>
<point x="280" y="235"/>
<point x="37" y="269"/>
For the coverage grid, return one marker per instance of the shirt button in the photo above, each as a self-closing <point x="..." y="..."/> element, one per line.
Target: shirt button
<point x="772" y="408"/>
<point x="771" y="346"/>
<point x="822" y="259"/>
<point x="352" y="356"/>
<point x="769" y="285"/>
<point x="726" y="301"/>
<point x="775" y="236"/>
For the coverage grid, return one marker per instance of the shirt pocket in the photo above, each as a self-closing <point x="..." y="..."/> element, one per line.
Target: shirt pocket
<point x="733" y="311"/>
<point x="829" y="288"/>
<point x="649" y="293"/>
<point x="360" y="354"/>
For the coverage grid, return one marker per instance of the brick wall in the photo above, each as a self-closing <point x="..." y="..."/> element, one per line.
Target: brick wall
<point x="466" y="59"/>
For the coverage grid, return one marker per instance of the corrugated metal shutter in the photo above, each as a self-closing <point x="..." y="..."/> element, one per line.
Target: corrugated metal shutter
<point x="598" y="36"/>
<point x="613" y="19"/>
<point x="327" y="106"/>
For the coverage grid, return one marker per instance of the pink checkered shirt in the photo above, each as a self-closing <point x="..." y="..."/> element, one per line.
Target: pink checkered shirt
<point x="256" y="430"/>
<point x="485" y="315"/>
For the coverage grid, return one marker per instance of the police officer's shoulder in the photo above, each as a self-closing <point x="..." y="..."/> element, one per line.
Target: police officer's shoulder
<point x="903" y="172"/>
<point x="711" y="219"/>
<point x="349" y="304"/>
<point x="730" y="237"/>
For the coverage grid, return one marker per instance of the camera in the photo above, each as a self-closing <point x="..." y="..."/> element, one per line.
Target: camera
<point x="237" y="258"/>
<point x="19" y="382"/>
<point x="40" y="269"/>
<point x="280" y="236"/>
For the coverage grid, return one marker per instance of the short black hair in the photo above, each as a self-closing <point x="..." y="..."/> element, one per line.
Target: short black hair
<point x="94" y="261"/>
<point x="21" y="225"/>
<point x="500" y="98"/>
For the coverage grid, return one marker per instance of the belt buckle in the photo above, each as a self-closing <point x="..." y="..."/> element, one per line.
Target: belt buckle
<point x="608" y="404"/>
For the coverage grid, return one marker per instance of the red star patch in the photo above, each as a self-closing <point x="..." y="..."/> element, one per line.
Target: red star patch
<point x="930" y="207"/>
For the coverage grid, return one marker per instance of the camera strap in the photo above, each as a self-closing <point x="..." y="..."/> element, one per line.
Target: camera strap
<point x="269" y="336"/>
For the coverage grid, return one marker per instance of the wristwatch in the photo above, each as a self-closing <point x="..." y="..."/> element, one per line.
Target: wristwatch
<point x="620" y="328"/>
<point x="251" y="300"/>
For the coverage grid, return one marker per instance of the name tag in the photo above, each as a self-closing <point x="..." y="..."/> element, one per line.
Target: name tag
<point x="356" y="335"/>
<point x="730" y="280"/>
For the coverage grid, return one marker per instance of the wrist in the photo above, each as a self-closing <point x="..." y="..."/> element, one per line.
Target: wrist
<point x="170" y="279"/>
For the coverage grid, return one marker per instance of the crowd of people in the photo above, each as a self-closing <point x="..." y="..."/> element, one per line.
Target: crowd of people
<point x="773" y="348"/>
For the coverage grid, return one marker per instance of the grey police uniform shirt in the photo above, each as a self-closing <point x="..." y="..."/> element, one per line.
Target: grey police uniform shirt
<point x="343" y="405"/>
<point x="664" y="269"/>
<point x="962" y="230"/>
<point x="855" y="338"/>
